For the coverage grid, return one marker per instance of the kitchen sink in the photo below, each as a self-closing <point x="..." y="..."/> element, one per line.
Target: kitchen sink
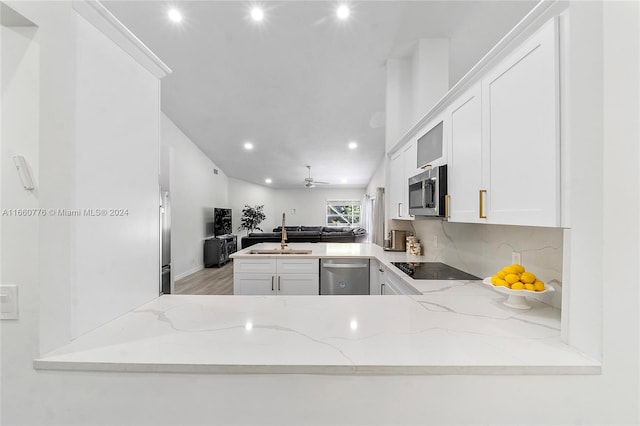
<point x="278" y="251"/>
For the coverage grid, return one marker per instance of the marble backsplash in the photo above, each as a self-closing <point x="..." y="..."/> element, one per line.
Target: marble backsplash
<point x="482" y="249"/>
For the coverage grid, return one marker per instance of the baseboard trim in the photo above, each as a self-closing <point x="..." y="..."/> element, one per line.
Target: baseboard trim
<point x="189" y="272"/>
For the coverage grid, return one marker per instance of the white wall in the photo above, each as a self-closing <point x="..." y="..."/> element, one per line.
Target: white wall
<point x="430" y="75"/>
<point x="77" y="398"/>
<point x="466" y="51"/>
<point x="195" y="191"/>
<point x="301" y="206"/>
<point x="309" y="206"/>
<point x="116" y="156"/>
<point x="377" y="179"/>
<point x="243" y="193"/>
<point x="19" y="249"/>
<point x="413" y="85"/>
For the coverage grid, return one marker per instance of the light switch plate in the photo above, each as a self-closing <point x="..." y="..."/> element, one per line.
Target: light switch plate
<point x="8" y="301"/>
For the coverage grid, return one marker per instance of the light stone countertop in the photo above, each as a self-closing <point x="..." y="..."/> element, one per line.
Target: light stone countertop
<point x="454" y="327"/>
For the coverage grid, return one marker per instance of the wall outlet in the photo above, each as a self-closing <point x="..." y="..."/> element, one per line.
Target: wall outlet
<point x="435" y="241"/>
<point x="293" y="211"/>
<point x="9" y="301"/>
<point x="516" y="257"/>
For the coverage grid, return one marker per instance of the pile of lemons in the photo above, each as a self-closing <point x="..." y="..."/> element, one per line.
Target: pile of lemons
<point x="516" y="278"/>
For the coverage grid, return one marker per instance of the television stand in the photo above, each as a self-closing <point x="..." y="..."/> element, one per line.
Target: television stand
<point x="218" y="249"/>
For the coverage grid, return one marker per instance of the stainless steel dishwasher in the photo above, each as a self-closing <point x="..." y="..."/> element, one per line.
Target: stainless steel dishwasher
<point x="344" y="276"/>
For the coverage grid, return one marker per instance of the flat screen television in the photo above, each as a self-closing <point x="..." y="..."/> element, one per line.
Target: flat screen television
<point x="222" y="222"/>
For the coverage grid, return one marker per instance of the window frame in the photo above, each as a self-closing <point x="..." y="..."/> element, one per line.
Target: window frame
<point x="344" y="202"/>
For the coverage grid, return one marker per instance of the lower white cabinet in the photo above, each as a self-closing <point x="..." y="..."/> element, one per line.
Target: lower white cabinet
<point x="376" y="278"/>
<point x="268" y="276"/>
<point x="393" y="286"/>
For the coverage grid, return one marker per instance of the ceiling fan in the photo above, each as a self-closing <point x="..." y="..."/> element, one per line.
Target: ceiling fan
<point x="309" y="182"/>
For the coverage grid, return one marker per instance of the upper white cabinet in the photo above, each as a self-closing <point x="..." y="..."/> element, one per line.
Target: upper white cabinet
<point x="501" y="140"/>
<point x="464" y="177"/>
<point x="520" y="148"/>
<point x="504" y="140"/>
<point x="402" y="165"/>
<point x="396" y="178"/>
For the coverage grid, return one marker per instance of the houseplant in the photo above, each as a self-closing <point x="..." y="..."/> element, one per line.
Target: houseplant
<point x="251" y="218"/>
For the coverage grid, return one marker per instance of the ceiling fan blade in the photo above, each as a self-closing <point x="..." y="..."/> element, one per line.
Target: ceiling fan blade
<point x="321" y="183"/>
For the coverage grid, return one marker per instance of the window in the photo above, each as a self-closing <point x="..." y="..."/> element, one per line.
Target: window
<point x="343" y="213"/>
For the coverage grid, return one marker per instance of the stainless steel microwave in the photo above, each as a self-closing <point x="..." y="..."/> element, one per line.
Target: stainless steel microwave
<point x="428" y="192"/>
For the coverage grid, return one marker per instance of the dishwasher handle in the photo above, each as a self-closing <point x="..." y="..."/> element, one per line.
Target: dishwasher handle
<point x="345" y="265"/>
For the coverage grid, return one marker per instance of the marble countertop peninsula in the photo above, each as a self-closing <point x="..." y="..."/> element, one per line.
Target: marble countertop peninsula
<point x="453" y="327"/>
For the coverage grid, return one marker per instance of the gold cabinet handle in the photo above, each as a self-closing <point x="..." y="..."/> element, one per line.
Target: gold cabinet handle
<point x="446" y="206"/>
<point x="482" y="192"/>
<point x="382" y="289"/>
<point x="399" y="204"/>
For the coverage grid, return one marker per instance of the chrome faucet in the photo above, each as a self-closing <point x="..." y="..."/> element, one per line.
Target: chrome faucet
<point x="283" y="243"/>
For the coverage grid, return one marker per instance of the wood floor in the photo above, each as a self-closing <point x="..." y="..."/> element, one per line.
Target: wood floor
<point x="207" y="281"/>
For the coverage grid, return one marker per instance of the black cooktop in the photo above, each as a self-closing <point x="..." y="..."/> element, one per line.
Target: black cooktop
<point x="433" y="271"/>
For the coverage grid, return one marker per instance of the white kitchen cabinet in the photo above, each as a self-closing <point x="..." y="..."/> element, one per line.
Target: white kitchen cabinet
<point x="504" y="164"/>
<point x="402" y="165"/>
<point x="376" y="278"/>
<point x="255" y="284"/>
<point x="395" y="188"/>
<point x="464" y="118"/>
<point x="260" y="276"/>
<point x="521" y="173"/>
<point x="389" y="289"/>
<point x="298" y="284"/>
<point x="393" y="285"/>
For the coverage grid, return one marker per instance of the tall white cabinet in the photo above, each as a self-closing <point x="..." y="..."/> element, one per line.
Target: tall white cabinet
<point x="504" y="162"/>
<point x="521" y="173"/>
<point x="464" y="177"/>
<point x="402" y="165"/>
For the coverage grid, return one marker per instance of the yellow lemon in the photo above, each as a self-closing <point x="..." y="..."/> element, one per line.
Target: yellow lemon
<point x="529" y="287"/>
<point x="510" y="270"/>
<point x="538" y="286"/>
<point x="517" y="286"/>
<point x="494" y="279"/>
<point x="512" y="278"/>
<point x="501" y="274"/>
<point x="519" y="268"/>
<point x="527" y="278"/>
<point x="502" y="283"/>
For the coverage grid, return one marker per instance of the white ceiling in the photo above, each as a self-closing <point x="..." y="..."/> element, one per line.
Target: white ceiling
<point x="301" y="84"/>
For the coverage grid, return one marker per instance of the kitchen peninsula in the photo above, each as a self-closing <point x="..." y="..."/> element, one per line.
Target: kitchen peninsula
<point x="445" y="327"/>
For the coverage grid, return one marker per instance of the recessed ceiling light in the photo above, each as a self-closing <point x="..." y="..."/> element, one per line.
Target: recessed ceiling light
<point x="257" y="14"/>
<point x="267" y="180"/>
<point x="343" y="12"/>
<point x="248" y="146"/>
<point x="353" y="145"/>
<point x="175" y="15"/>
<point x="344" y="181"/>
